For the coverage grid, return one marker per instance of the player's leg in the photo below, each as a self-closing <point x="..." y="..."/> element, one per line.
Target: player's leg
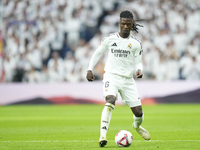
<point x="110" y="91"/>
<point x="105" y="118"/>
<point x="130" y="96"/>
<point x="138" y="118"/>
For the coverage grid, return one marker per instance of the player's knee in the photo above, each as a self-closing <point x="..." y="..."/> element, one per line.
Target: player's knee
<point x="138" y="114"/>
<point x="110" y="99"/>
<point x="137" y="111"/>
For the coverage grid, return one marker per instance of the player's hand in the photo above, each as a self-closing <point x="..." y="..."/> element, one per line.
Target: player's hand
<point x="90" y="77"/>
<point x="139" y="74"/>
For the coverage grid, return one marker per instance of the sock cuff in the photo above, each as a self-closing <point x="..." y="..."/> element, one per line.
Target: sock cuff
<point x="110" y="105"/>
<point x="138" y="121"/>
<point x="137" y="118"/>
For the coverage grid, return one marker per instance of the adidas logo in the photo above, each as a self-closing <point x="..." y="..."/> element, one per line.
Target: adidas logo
<point x="104" y="128"/>
<point x="114" y="44"/>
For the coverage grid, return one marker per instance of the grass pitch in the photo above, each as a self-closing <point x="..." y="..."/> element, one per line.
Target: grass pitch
<point x="76" y="127"/>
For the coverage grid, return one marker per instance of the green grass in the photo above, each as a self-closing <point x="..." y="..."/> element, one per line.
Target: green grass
<point x="76" y="127"/>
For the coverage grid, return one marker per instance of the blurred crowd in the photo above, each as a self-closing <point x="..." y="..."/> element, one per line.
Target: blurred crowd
<point x="53" y="40"/>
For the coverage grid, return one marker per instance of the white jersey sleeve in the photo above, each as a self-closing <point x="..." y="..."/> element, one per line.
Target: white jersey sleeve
<point x="97" y="55"/>
<point x="138" y="59"/>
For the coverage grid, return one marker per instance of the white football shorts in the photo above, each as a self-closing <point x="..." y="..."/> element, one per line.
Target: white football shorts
<point x="126" y="87"/>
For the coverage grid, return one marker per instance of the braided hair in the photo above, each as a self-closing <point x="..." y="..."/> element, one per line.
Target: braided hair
<point x="128" y="14"/>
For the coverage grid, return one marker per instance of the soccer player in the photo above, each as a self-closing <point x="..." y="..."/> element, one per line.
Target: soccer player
<point x="124" y="53"/>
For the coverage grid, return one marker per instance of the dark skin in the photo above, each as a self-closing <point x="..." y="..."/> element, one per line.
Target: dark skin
<point x="125" y="29"/>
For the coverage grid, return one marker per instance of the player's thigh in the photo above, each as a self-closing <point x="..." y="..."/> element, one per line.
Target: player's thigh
<point x="110" y="86"/>
<point x="130" y="95"/>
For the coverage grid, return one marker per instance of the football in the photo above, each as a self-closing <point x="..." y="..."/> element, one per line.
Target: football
<point x="123" y="138"/>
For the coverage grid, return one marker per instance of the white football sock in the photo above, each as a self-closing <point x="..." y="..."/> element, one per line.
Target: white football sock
<point x="105" y="118"/>
<point x="138" y="121"/>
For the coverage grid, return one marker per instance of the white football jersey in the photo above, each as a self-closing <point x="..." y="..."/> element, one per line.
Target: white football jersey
<point x="123" y="55"/>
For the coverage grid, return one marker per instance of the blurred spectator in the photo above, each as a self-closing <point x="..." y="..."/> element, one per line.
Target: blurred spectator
<point x="34" y="57"/>
<point x="9" y="68"/>
<point x="33" y="75"/>
<point x="57" y="42"/>
<point x="55" y="74"/>
<point x="186" y="63"/>
<point x="162" y="69"/>
<point x="69" y="64"/>
<point x="55" y="68"/>
<point x="73" y="76"/>
<point x="72" y="28"/>
<point x="180" y="41"/>
<point x="55" y="63"/>
<point x="45" y="74"/>
<point x="194" y="71"/>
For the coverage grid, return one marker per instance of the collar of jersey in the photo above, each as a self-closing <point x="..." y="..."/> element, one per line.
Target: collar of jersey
<point x="122" y="37"/>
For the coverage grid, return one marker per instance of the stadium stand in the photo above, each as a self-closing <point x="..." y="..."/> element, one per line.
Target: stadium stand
<point x="53" y="40"/>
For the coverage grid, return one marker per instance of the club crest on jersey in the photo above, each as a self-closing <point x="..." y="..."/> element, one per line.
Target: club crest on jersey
<point x="129" y="46"/>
